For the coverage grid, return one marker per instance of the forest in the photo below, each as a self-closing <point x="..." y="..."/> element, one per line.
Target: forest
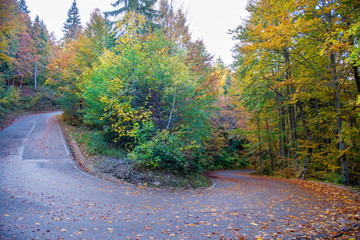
<point x="288" y="106"/>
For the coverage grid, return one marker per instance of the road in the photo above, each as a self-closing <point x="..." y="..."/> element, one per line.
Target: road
<point x="45" y="195"/>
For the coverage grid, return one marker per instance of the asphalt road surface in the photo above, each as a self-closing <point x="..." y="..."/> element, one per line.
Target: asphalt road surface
<point x="45" y="195"/>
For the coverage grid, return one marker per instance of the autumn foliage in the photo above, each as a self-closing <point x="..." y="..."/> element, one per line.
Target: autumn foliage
<point x="146" y="86"/>
<point x="289" y="105"/>
<point x="297" y="76"/>
<point x="25" y="46"/>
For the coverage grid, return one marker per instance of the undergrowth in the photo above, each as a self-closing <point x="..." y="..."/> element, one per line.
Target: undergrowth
<point x="111" y="160"/>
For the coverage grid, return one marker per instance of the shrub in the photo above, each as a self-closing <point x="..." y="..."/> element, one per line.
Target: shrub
<point x="96" y="144"/>
<point x="10" y="97"/>
<point x="9" y="100"/>
<point x="69" y="103"/>
<point x="166" y="151"/>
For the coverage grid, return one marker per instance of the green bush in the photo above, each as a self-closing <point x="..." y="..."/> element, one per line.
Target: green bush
<point x="96" y="144"/>
<point x="70" y="103"/>
<point x="228" y="160"/>
<point x="224" y="161"/>
<point x="29" y="102"/>
<point x="10" y="97"/>
<point x="9" y="100"/>
<point x="166" y="151"/>
<point x="332" y="177"/>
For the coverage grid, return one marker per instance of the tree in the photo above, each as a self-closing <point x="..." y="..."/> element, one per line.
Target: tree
<point x="9" y="27"/>
<point x="284" y="48"/>
<point x="143" y="7"/>
<point x="99" y="35"/>
<point x="25" y="57"/>
<point x="43" y="46"/>
<point x="174" y="24"/>
<point x="23" y="7"/>
<point x="72" y="26"/>
<point x="142" y="92"/>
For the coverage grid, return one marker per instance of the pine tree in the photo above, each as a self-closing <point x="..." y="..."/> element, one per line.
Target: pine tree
<point x="144" y="7"/>
<point x="42" y="44"/>
<point x="23" y="6"/>
<point x="72" y="26"/>
<point x="98" y="31"/>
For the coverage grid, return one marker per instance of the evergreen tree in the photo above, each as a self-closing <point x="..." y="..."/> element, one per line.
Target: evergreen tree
<point x="42" y="44"/>
<point x="23" y="6"/>
<point x="98" y="31"/>
<point x="72" y="26"/>
<point x="143" y="7"/>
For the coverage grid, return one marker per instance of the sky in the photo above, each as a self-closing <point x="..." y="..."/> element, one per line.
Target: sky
<point x="209" y="20"/>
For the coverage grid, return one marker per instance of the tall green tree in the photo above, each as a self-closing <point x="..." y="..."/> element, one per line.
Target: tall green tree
<point x="23" y="7"/>
<point x="98" y="33"/>
<point x="143" y="7"/>
<point x="72" y="26"/>
<point x="43" y="46"/>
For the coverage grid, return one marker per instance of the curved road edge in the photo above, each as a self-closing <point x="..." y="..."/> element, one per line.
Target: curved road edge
<point x="82" y="164"/>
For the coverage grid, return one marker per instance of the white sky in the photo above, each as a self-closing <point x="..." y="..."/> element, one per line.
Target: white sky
<point x="210" y="20"/>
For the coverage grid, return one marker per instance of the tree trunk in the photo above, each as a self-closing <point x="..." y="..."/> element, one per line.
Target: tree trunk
<point x="337" y="88"/>
<point x="269" y="146"/>
<point x="260" y="147"/>
<point x="294" y="144"/>
<point x="287" y="141"/>
<point x="342" y="147"/>
<point x="309" y="138"/>
<point x="171" y="112"/>
<point x="21" y="81"/>
<point x="35" y="83"/>
<point x="342" y="158"/>
<point x="281" y="141"/>
<point x="357" y="78"/>
<point x="291" y="109"/>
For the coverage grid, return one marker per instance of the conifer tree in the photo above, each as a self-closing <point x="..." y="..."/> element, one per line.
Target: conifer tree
<point x="72" y="26"/>
<point x="42" y="44"/>
<point x="23" y="6"/>
<point x="143" y="7"/>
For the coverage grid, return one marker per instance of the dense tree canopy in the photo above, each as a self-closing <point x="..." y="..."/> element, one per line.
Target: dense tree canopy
<point x="25" y="47"/>
<point x="295" y="78"/>
<point x="289" y="106"/>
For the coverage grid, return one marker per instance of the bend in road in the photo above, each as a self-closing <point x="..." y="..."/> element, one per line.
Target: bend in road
<point x="44" y="195"/>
